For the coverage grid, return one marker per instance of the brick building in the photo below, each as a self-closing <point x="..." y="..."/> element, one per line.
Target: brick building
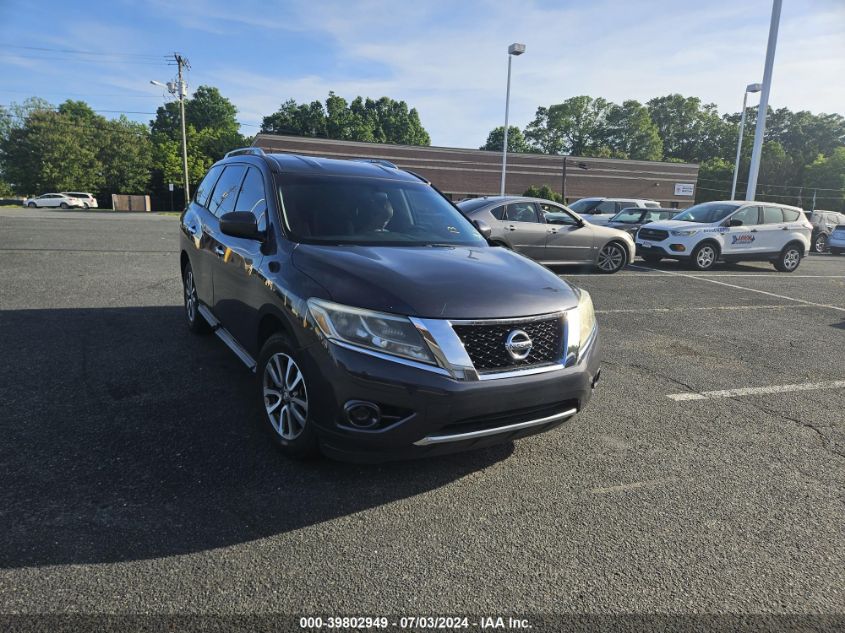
<point x="463" y="173"/>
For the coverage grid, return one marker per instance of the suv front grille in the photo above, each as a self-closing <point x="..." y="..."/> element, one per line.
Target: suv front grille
<point x="655" y="235"/>
<point x="485" y="343"/>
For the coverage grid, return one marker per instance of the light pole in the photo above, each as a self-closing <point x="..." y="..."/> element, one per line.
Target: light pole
<point x="513" y="50"/>
<point x="748" y="88"/>
<point x="757" y="151"/>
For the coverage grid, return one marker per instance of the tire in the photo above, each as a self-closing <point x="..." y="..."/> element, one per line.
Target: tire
<point x="63" y="205"/>
<point x="789" y="259"/>
<point x="32" y="205"/>
<point x="652" y="259"/>
<point x="282" y="390"/>
<point x="820" y="243"/>
<point x="611" y="258"/>
<point x="704" y="256"/>
<point x="85" y="205"/>
<point x="196" y="322"/>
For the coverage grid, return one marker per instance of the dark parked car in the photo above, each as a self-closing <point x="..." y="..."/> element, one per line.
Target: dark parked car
<point x="379" y="321"/>
<point x="824" y="222"/>
<point x="632" y="219"/>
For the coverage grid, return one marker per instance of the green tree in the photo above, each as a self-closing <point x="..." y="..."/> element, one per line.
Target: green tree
<point x="690" y="131"/>
<point x="516" y="140"/>
<point x="126" y="156"/>
<point x="630" y="132"/>
<point x="545" y="192"/>
<point x="826" y="177"/>
<point x="577" y="126"/>
<point x="715" y="176"/>
<point x="381" y="120"/>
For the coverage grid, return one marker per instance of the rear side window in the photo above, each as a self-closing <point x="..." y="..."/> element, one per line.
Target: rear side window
<point x="226" y="191"/>
<point x="498" y="212"/>
<point x="772" y="215"/>
<point x="790" y="216"/>
<point x="207" y="185"/>
<point x="252" y="197"/>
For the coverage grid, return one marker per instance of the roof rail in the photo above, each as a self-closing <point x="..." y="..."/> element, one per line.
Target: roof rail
<point x="255" y="151"/>
<point x="377" y="161"/>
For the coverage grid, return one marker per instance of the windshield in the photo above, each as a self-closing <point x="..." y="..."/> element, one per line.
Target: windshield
<point x="628" y="216"/>
<point x="471" y="205"/>
<point x="584" y="206"/>
<point x="371" y="211"/>
<point x="708" y="212"/>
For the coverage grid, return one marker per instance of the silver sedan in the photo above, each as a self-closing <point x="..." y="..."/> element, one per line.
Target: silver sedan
<point x="550" y="233"/>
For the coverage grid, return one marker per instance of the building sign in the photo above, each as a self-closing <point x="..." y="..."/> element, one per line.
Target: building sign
<point x="684" y="189"/>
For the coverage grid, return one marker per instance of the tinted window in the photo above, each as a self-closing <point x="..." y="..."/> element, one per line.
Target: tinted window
<point x="708" y="212"/>
<point x="628" y="216"/>
<point x="206" y="186"/>
<point x="772" y="215"/>
<point x="499" y="212"/>
<point x="371" y="211"/>
<point x="747" y="216"/>
<point x="605" y="207"/>
<point x="522" y="212"/>
<point x="661" y="215"/>
<point x="252" y="197"/>
<point x="226" y="191"/>
<point x="471" y="205"/>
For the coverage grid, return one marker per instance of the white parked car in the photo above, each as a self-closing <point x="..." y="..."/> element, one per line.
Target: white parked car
<point x="88" y="200"/>
<point x="54" y="200"/>
<point x="729" y="231"/>
<point x="600" y="210"/>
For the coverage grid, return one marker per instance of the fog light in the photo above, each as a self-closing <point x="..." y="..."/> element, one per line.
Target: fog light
<point x="678" y="248"/>
<point x="362" y="415"/>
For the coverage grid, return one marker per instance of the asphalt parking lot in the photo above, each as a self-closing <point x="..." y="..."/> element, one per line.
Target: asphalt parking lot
<point x="137" y="477"/>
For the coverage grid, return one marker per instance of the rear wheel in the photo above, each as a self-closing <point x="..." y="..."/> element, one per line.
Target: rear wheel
<point x="820" y="243"/>
<point x="611" y="258"/>
<point x="283" y="389"/>
<point x="704" y="256"/>
<point x="789" y="259"/>
<point x="63" y="205"/>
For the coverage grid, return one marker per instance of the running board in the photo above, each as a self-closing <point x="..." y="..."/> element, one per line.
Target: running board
<point x="223" y="334"/>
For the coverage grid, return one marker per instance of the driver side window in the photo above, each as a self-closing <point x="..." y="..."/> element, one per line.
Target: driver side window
<point x="522" y="212"/>
<point x="746" y="217"/>
<point x="555" y="215"/>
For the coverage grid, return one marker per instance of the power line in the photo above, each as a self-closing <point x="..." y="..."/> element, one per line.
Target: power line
<point x="79" y="52"/>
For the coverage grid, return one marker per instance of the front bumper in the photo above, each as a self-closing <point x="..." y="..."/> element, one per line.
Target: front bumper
<point x="437" y="414"/>
<point x="662" y="250"/>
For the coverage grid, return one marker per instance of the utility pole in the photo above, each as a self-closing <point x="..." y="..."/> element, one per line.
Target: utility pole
<point x="181" y="63"/>
<point x="762" y="109"/>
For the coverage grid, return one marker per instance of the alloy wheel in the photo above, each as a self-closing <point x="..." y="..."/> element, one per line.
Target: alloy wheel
<point x="285" y="396"/>
<point x="610" y="258"/>
<point x="791" y="259"/>
<point x="190" y="296"/>
<point x="705" y="257"/>
<point x="821" y="243"/>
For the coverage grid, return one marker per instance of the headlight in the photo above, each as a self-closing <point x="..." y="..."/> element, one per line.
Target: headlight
<point x="379" y="331"/>
<point x="586" y="317"/>
<point x="685" y="233"/>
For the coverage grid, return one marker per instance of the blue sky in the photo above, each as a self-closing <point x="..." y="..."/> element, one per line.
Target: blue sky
<point x="447" y="59"/>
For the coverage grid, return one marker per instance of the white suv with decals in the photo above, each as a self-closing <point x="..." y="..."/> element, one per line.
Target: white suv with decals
<point x="729" y="231"/>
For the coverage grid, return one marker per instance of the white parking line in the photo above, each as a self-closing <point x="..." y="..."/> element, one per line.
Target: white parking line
<point x="762" y="292"/>
<point x="686" y="309"/>
<point x="753" y="391"/>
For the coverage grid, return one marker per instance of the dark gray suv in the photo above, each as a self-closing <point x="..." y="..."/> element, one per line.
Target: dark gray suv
<point x="379" y="321"/>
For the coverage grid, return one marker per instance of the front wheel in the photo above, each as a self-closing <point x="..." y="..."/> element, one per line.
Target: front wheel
<point x="611" y="258"/>
<point x="196" y="322"/>
<point x="284" y="392"/>
<point x="704" y="256"/>
<point x="820" y="243"/>
<point x="788" y="259"/>
<point x="31" y="205"/>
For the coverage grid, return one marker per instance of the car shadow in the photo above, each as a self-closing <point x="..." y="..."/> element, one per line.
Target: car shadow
<point x="126" y="438"/>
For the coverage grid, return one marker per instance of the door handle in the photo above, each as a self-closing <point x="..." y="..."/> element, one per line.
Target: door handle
<point x="220" y="250"/>
<point x="511" y="227"/>
<point x="753" y="231"/>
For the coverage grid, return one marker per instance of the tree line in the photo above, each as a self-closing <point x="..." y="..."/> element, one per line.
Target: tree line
<point x="71" y="147"/>
<point x="803" y="153"/>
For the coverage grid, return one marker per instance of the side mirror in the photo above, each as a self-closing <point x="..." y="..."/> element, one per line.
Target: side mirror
<point x="241" y="224"/>
<point x="485" y="229"/>
<point x="735" y="223"/>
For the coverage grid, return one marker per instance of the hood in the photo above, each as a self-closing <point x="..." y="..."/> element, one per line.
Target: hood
<point x="455" y="282"/>
<point x="674" y="225"/>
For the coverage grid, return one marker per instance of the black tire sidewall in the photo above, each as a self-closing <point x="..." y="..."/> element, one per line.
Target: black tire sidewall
<point x="307" y="444"/>
<point x="199" y="325"/>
